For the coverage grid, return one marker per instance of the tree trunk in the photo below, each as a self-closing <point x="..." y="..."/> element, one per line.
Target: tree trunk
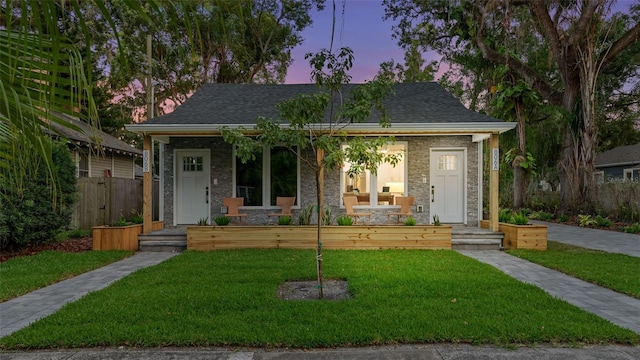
<point x="320" y="194"/>
<point x="519" y="173"/>
<point x="568" y="166"/>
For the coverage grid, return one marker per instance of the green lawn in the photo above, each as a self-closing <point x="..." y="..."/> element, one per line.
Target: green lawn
<point x="614" y="271"/>
<point x="229" y="298"/>
<point x="23" y="274"/>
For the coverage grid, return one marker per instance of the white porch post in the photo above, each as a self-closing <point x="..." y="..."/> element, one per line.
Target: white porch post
<point x="147" y="166"/>
<point x="494" y="181"/>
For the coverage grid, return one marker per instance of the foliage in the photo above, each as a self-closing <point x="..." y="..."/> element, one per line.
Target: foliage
<point x="24" y="274"/>
<point x="410" y="221"/>
<point x="75" y="234"/>
<point x="121" y="222"/>
<point x="391" y="288"/>
<point x="136" y="217"/>
<point x="614" y="271"/>
<point x="562" y="217"/>
<point x="304" y="217"/>
<point x="344" y="220"/>
<point x="34" y="212"/>
<point x="542" y="215"/>
<point x="603" y="221"/>
<point x="285" y="220"/>
<point x="203" y="221"/>
<point x="326" y="215"/>
<point x="632" y="229"/>
<point x="586" y="220"/>
<point x="436" y="220"/>
<point x="222" y="220"/>
<point x="504" y="215"/>
<point x="519" y="218"/>
<point x="527" y="162"/>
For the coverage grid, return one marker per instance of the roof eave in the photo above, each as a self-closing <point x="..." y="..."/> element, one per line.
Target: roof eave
<point x="360" y="128"/>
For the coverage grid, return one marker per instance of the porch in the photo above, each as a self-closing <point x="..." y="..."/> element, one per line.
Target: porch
<point x="461" y="238"/>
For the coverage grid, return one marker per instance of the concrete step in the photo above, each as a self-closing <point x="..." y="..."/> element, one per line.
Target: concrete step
<point x="162" y="243"/>
<point x="476" y="244"/>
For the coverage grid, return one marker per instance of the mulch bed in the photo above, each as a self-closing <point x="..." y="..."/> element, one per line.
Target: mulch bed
<point x="70" y="245"/>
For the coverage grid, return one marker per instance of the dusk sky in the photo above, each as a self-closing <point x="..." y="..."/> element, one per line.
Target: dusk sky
<point x="361" y="29"/>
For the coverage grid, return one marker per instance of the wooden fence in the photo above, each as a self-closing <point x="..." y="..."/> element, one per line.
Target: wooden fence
<point x="103" y="200"/>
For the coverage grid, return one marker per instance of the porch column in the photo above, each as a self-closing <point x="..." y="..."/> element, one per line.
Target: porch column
<point x="494" y="181"/>
<point x="147" y="165"/>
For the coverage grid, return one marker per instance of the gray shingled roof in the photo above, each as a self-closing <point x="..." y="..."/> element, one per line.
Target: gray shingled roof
<point x="413" y="103"/>
<point x="622" y="155"/>
<point x="86" y="135"/>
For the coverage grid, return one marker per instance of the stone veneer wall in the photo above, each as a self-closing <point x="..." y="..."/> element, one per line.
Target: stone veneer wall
<point x="418" y="150"/>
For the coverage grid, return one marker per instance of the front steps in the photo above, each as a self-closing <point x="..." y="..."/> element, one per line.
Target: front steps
<point x="165" y="240"/>
<point x="474" y="238"/>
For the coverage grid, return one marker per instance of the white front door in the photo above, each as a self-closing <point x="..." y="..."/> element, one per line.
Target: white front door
<point x="192" y="186"/>
<point x="448" y="196"/>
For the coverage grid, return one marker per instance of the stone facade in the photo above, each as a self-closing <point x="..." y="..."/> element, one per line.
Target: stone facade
<point x="418" y="163"/>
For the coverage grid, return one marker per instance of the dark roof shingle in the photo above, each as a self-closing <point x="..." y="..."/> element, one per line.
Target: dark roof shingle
<point x="628" y="154"/>
<point x="243" y="103"/>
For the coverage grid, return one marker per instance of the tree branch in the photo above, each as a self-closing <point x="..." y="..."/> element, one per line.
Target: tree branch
<point x="630" y="37"/>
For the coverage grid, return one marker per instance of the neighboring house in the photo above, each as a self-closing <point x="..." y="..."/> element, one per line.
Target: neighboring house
<point x="441" y="139"/>
<point x="621" y="163"/>
<point x="113" y="157"/>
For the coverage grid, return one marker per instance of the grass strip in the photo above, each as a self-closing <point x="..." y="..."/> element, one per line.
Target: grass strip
<point x="229" y="298"/>
<point x="24" y="274"/>
<point x="617" y="272"/>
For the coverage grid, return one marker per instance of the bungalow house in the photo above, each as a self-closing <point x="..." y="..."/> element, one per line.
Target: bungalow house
<point x="113" y="158"/>
<point x="441" y="142"/>
<point x="621" y="163"/>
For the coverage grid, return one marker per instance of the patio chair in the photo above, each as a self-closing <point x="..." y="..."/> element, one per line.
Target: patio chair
<point x="285" y="203"/>
<point x="405" y="203"/>
<point x="232" y="205"/>
<point x="349" y="202"/>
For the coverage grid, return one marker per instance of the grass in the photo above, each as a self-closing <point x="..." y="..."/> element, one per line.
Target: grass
<point x="617" y="272"/>
<point x="229" y="298"/>
<point x="23" y="274"/>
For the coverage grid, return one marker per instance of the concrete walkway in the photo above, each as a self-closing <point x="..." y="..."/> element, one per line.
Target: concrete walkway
<point x="605" y="240"/>
<point x="17" y="313"/>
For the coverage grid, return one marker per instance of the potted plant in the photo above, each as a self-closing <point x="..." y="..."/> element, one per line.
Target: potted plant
<point x="222" y="220"/>
<point x="518" y="232"/>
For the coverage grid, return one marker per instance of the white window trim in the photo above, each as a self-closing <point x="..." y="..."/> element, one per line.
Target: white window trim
<point x="629" y="172"/>
<point x="266" y="185"/>
<point x="374" y="183"/>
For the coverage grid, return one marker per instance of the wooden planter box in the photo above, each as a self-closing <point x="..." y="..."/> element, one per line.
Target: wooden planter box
<point x="304" y="237"/>
<point x="521" y="236"/>
<point x="119" y="237"/>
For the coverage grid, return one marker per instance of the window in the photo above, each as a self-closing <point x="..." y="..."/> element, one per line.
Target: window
<point x="631" y="174"/>
<point x="192" y="163"/>
<point x="382" y="188"/>
<point x="448" y="162"/>
<point x="278" y="165"/>
<point x="83" y="165"/>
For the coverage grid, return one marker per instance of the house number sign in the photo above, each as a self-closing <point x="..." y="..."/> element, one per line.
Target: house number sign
<point x="145" y="161"/>
<point x="495" y="159"/>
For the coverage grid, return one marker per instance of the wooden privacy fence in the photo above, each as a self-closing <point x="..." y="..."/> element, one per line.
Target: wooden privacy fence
<point x="103" y="200"/>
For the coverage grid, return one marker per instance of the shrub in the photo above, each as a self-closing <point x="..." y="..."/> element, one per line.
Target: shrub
<point x="504" y="215"/>
<point x="120" y="222"/>
<point x="542" y="215"/>
<point x="519" y="218"/>
<point x="436" y="220"/>
<point x="222" y="220"/>
<point x="603" y="221"/>
<point x="304" y="218"/>
<point x="410" y="221"/>
<point x="203" y="221"/>
<point x="285" y="220"/>
<point x="28" y="214"/>
<point x="586" y="220"/>
<point x="344" y="220"/>
<point x="136" y="217"/>
<point x="632" y="229"/>
<point x="563" y="217"/>
<point x="326" y="219"/>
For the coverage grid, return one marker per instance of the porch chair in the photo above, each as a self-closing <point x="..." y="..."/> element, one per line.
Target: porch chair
<point x="405" y="203"/>
<point x="349" y="202"/>
<point x="285" y="203"/>
<point x="232" y="205"/>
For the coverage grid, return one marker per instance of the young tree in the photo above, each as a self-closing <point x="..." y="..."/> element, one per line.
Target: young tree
<point x="580" y="41"/>
<point x="314" y="127"/>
